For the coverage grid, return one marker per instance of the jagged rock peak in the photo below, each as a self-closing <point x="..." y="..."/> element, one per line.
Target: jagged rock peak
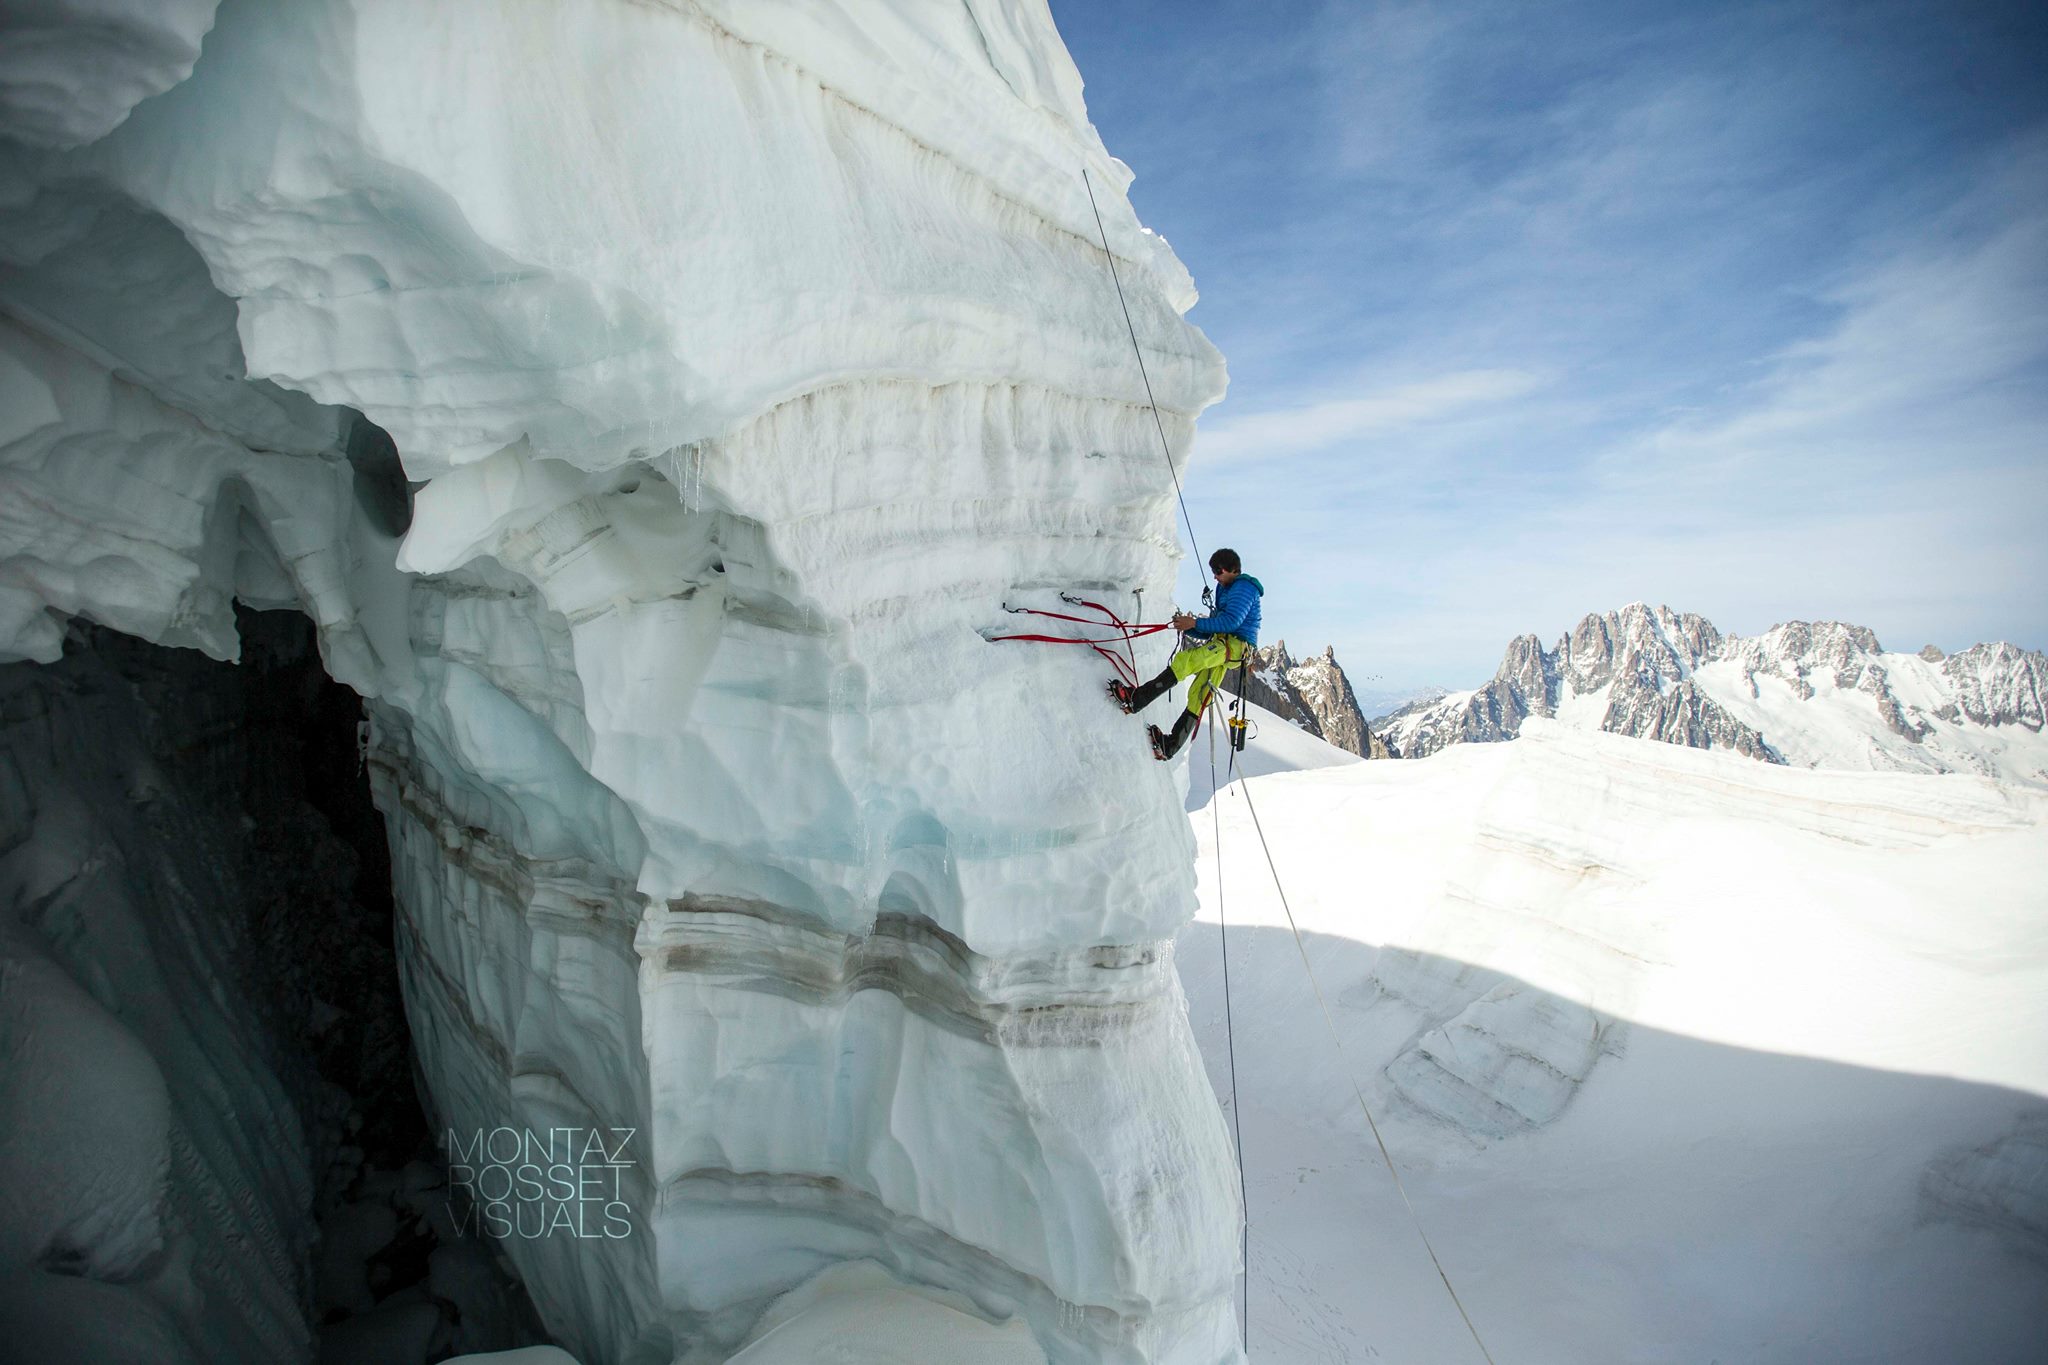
<point x="1651" y="643"/>
<point x="2000" y="684"/>
<point x="1794" y="646"/>
<point x="1313" y="694"/>
<point x="1641" y="659"/>
<point x="1527" y="667"/>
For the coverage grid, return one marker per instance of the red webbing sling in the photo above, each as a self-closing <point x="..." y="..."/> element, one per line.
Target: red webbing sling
<point x="1126" y="664"/>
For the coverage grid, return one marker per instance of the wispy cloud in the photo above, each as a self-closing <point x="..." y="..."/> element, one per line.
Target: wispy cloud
<point x="1885" y="464"/>
<point x="1325" y="423"/>
<point x="1929" y="372"/>
<point x="1739" y="307"/>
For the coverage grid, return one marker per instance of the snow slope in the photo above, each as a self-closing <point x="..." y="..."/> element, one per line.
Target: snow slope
<point x="1274" y="747"/>
<point x="1683" y="1057"/>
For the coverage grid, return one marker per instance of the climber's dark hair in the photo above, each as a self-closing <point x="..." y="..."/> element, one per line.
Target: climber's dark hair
<point x="1225" y="559"/>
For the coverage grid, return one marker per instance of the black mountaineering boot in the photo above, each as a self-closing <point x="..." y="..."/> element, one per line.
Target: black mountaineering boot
<point x="1136" y="699"/>
<point x="1165" y="746"/>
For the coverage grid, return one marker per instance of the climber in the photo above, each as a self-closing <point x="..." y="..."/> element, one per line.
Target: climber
<point x="1214" y="644"/>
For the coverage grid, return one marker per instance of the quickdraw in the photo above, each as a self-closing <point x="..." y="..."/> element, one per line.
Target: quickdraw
<point x="1126" y="663"/>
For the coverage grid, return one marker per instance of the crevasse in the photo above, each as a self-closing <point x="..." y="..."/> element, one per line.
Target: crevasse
<point x="743" y="361"/>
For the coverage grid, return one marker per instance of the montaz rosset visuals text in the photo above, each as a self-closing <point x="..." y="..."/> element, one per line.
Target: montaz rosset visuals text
<point x="559" y="1182"/>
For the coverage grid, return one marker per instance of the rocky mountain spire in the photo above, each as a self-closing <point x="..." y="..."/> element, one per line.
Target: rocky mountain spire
<point x="1313" y="694"/>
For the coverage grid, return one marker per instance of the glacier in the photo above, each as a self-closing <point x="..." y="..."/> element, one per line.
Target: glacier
<point x="651" y="406"/>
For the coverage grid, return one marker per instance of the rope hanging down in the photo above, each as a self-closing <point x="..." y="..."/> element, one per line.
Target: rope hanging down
<point x="1329" y="1022"/>
<point x="1136" y="350"/>
<point x="1127" y="633"/>
<point x="1244" y="1198"/>
<point x="1194" y="545"/>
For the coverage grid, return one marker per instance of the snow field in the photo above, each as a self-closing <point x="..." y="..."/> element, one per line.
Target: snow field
<point x="1682" y="1057"/>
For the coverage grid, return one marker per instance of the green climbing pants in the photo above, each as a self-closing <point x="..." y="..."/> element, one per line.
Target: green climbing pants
<point x="1206" y="663"/>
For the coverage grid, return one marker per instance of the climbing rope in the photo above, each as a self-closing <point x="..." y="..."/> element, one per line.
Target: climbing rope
<point x="1230" y="1031"/>
<point x="1329" y="1021"/>
<point x="1244" y="1198"/>
<point x="1138" y="351"/>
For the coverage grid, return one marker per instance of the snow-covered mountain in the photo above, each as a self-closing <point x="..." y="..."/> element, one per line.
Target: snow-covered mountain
<point x="1812" y="694"/>
<point x="1312" y="694"/>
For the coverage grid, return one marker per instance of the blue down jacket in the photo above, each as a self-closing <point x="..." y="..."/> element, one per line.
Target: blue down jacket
<point x="1237" y="611"/>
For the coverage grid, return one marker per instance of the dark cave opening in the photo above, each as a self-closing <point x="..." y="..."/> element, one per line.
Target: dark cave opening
<point x="319" y="841"/>
<point x="302" y="753"/>
<point x="382" y="490"/>
<point x="266" y="756"/>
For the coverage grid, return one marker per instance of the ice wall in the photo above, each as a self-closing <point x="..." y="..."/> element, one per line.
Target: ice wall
<point x="744" y="360"/>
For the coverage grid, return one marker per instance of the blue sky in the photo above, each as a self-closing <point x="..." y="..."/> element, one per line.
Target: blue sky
<point x="1537" y="309"/>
